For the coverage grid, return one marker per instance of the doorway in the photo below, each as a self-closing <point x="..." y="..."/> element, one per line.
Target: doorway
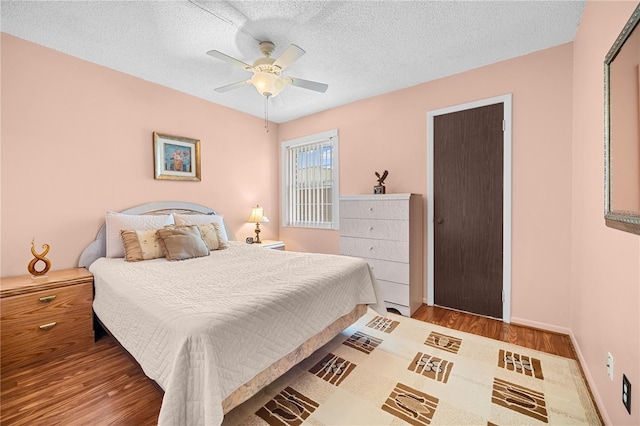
<point x="469" y="207"/>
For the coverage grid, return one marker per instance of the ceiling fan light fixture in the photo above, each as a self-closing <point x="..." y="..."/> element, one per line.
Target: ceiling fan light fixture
<point x="267" y="72"/>
<point x="268" y="84"/>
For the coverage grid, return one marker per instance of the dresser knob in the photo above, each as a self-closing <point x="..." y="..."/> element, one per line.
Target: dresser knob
<point x="370" y="209"/>
<point x="48" y="326"/>
<point x="370" y="248"/>
<point x="371" y="228"/>
<point x="47" y="298"/>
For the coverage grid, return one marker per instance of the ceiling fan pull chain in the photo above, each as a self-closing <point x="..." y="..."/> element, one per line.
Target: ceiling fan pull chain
<point x="266" y="113"/>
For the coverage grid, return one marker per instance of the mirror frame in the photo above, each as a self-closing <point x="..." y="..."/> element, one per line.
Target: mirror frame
<point x="624" y="220"/>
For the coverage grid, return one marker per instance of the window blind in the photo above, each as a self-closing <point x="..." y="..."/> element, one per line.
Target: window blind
<point x="310" y="188"/>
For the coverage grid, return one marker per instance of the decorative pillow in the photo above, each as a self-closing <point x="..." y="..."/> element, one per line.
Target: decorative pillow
<point x="202" y="219"/>
<point x="141" y="245"/>
<point x="182" y="243"/>
<point x="150" y="244"/>
<point x="212" y="236"/>
<point x="132" y="249"/>
<point x="116" y="222"/>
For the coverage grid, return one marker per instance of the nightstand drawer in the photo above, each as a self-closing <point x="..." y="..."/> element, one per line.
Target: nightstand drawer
<point x="39" y="306"/>
<point x="23" y="343"/>
<point x="45" y="319"/>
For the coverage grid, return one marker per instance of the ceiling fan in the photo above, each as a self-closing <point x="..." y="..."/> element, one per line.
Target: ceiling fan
<point x="267" y="72"/>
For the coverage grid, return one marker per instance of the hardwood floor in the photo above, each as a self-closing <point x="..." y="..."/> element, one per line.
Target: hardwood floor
<point x="98" y="386"/>
<point x="541" y="340"/>
<point x="103" y="386"/>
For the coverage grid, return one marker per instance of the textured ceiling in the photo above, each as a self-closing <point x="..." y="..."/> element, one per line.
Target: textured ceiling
<point x="359" y="48"/>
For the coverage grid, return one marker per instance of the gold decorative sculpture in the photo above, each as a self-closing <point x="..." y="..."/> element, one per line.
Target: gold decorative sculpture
<point x="39" y="257"/>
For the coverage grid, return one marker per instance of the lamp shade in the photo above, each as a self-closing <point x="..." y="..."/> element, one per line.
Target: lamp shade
<point x="268" y="84"/>
<point x="257" y="215"/>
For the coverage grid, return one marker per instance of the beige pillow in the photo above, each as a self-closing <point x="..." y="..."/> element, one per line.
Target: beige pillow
<point x="150" y="244"/>
<point x="211" y="236"/>
<point x="132" y="250"/>
<point x="202" y="219"/>
<point x="182" y="243"/>
<point x="141" y="245"/>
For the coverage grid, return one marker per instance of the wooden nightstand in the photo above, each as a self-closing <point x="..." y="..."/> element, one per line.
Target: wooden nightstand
<point x="45" y="317"/>
<point x="272" y="244"/>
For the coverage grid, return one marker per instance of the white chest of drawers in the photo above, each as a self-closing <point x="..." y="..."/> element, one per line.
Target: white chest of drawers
<point x="386" y="231"/>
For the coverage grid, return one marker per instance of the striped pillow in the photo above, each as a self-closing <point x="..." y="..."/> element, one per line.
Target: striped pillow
<point x="141" y="245"/>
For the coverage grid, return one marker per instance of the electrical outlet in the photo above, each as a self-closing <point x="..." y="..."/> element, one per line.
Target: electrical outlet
<point x="610" y="365"/>
<point x="626" y="393"/>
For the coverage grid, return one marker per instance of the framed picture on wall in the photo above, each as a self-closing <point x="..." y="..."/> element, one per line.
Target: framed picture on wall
<point x="176" y="157"/>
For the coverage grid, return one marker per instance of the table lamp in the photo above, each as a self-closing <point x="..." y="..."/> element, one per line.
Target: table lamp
<point x="257" y="216"/>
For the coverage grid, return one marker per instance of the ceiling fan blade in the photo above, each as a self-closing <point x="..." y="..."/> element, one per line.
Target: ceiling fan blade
<point x="228" y="87"/>
<point x="233" y="61"/>
<point x="289" y="56"/>
<point x="311" y="85"/>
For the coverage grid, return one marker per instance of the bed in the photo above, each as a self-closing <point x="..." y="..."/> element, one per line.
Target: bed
<point x="211" y="331"/>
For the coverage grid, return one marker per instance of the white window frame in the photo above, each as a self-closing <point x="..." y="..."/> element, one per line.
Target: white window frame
<point x="335" y="193"/>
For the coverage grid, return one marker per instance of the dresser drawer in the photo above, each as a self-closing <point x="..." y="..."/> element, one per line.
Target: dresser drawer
<point x="396" y="251"/>
<point x="46" y="323"/>
<point x="398" y="272"/>
<point x="394" y="292"/>
<point x="381" y="229"/>
<point x="374" y="209"/>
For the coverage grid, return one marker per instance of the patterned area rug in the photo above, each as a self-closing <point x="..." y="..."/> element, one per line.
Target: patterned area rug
<point x="395" y="370"/>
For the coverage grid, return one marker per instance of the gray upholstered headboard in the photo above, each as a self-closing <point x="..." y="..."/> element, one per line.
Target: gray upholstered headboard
<point x="97" y="248"/>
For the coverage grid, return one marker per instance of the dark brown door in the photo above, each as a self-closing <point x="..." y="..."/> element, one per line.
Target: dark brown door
<point x="468" y="199"/>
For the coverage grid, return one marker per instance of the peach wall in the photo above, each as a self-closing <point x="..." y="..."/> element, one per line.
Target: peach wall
<point x="390" y="132"/>
<point x="77" y="141"/>
<point x="605" y="284"/>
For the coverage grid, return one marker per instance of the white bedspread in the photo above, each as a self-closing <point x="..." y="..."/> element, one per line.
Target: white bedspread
<point x="202" y="327"/>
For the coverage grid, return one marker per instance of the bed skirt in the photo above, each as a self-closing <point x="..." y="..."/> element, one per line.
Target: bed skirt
<point x="278" y="368"/>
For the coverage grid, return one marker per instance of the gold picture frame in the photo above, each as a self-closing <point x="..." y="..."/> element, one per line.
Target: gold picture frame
<point x="176" y="157"/>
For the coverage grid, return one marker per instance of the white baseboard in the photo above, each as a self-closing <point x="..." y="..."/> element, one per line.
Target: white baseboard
<point x="587" y="374"/>
<point x="540" y="325"/>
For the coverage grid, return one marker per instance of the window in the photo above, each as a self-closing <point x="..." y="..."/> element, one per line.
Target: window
<point x="310" y="181"/>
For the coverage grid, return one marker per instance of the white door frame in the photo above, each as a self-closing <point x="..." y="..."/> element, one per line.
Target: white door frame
<point x="506" y="218"/>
